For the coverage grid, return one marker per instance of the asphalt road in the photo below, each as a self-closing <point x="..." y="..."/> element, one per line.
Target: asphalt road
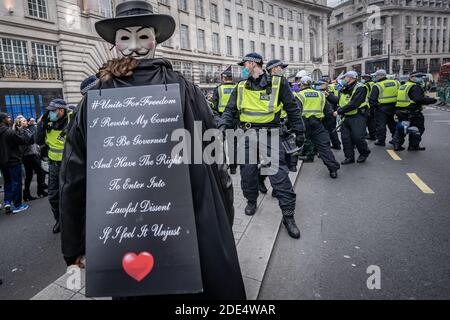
<point x="373" y="214"/>
<point x="30" y="254"/>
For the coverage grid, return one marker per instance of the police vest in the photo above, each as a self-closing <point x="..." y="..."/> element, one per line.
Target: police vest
<point x="258" y="106"/>
<point x="387" y="91"/>
<point x="332" y="89"/>
<point x="313" y="103"/>
<point x="403" y="100"/>
<point x="344" y="99"/>
<point x="55" y="140"/>
<point x="225" y="91"/>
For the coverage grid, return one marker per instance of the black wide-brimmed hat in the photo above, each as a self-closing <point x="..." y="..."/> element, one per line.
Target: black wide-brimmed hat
<point x="135" y="14"/>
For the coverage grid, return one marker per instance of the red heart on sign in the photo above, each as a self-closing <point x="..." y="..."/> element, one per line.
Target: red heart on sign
<point x="137" y="266"/>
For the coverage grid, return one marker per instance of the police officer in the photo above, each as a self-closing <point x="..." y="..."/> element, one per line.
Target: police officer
<point x="382" y="99"/>
<point x="329" y="121"/>
<point x="410" y="99"/>
<point x="352" y="104"/>
<point x="221" y="96"/>
<point x="314" y="107"/>
<point x="51" y="130"/>
<point x="258" y="101"/>
<point x="366" y="79"/>
<point x="222" y="92"/>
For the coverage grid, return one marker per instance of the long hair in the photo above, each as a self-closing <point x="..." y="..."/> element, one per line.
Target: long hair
<point x="117" y="68"/>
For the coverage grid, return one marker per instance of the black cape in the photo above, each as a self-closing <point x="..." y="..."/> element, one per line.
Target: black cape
<point x="211" y="185"/>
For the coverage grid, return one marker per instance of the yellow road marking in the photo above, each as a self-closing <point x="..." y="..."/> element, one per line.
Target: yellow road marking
<point x="419" y="183"/>
<point x="393" y="155"/>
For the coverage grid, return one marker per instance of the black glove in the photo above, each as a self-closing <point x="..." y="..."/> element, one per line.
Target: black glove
<point x="300" y="139"/>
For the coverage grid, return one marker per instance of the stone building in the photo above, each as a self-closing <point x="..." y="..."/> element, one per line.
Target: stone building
<point x="397" y="35"/>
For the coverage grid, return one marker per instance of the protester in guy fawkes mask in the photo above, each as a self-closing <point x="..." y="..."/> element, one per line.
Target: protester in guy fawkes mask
<point x="135" y="33"/>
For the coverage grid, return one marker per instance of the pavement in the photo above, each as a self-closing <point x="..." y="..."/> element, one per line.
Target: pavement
<point x="37" y="271"/>
<point x="374" y="214"/>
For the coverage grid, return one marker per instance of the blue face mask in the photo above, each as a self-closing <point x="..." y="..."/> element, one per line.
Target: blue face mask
<point x="244" y="73"/>
<point x="342" y="82"/>
<point x="53" y="116"/>
<point x="419" y="80"/>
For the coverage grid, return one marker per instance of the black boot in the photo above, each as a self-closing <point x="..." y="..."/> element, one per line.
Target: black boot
<point x="292" y="168"/>
<point x="348" y="161"/>
<point x="27" y="196"/>
<point x="291" y="226"/>
<point x="233" y="168"/>
<point x="361" y="159"/>
<point x="333" y="174"/>
<point x="56" y="227"/>
<point x="250" y="209"/>
<point x="42" y="193"/>
<point x="398" y="147"/>
<point x="418" y="148"/>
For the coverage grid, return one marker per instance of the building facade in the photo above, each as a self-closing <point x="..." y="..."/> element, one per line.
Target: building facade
<point x="47" y="47"/>
<point x="396" y="35"/>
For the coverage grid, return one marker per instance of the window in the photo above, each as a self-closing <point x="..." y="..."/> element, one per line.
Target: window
<point x="270" y="10"/>
<point x="13" y="58"/>
<point x="261" y="6"/>
<point x="45" y="54"/>
<point x="183" y="5"/>
<point x="282" y="53"/>
<point x="408" y="39"/>
<point x="300" y="34"/>
<point x="184" y="29"/>
<point x="272" y="51"/>
<point x="250" y="4"/>
<point x="280" y="13"/>
<point x="216" y="43"/>
<point x="165" y="2"/>
<point x="252" y="46"/>
<point x="251" y="24"/>
<point x="214" y="12"/>
<point x="272" y="29"/>
<point x="291" y="33"/>
<point x="281" y="32"/>
<point x="209" y="73"/>
<point x="199" y="8"/>
<point x="185" y="68"/>
<point x="239" y="2"/>
<point x="262" y="27"/>
<point x="290" y="15"/>
<point x="263" y="50"/>
<point x="201" y="44"/>
<point x="291" y="53"/>
<point x="228" y="17"/>
<point x="229" y="46"/>
<point x="38" y="8"/>
<point x="300" y="17"/>
<point x="240" y="22"/>
<point x="300" y="54"/>
<point x="241" y="47"/>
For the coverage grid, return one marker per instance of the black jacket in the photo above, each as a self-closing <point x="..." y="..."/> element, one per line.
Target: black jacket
<point x="211" y="187"/>
<point x="10" y="142"/>
<point x="285" y="96"/>
<point x="358" y="98"/>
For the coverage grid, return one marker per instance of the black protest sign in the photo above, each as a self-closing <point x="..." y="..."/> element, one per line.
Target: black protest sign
<point x="140" y="226"/>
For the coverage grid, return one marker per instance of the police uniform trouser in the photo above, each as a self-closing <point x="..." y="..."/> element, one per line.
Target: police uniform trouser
<point x="416" y="120"/>
<point x="280" y="181"/>
<point x="53" y="187"/>
<point x="330" y="124"/>
<point x="371" y="123"/>
<point x="384" y="115"/>
<point x="353" y="133"/>
<point x="319" y="137"/>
